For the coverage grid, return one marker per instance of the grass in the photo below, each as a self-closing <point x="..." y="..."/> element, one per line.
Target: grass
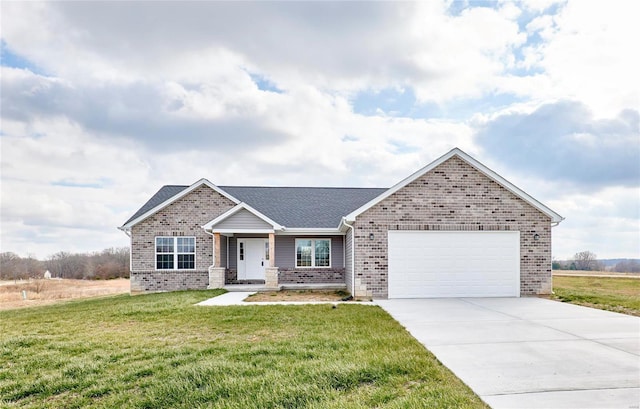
<point x="614" y="294"/>
<point x="159" y="350"/>
<point x="41" y="291"/>
<point x="298" y="295"/>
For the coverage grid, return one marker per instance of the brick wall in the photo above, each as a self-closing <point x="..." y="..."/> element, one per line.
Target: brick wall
<point x="184" y="217"/>
<point x="308" y="276"/>
<point x="142" y="281"/>
<point x="452" y="196"/>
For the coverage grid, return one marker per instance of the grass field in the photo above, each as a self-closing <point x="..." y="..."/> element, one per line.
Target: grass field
<point x="617" y="294"/>
<point x="42" y="292"/>
<point x="159" y="350"/>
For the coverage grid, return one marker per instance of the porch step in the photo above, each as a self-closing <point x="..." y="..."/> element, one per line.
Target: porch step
<point x="320" y="286"/>
<point x="262" y="288"/>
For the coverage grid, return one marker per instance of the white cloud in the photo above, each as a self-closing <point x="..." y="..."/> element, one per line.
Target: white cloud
<point x="127" y="97"/>
<point x="588" y="55"/>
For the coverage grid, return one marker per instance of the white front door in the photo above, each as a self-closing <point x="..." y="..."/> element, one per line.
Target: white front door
<point x="251" y="258"/>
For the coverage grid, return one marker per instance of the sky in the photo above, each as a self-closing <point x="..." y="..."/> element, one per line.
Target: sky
<point x="102" y="103"/>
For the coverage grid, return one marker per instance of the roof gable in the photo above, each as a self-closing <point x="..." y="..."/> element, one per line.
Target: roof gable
<point x="240" y="218"/>
<point x="555" y="217"/>
<point x="167" y="195"/>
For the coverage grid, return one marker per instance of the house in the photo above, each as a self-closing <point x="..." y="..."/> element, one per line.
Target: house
<point x="454" y="228"/>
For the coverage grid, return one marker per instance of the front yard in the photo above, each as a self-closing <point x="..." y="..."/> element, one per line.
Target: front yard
<point x="617" y="294"/>
<point x="160" y="350"/>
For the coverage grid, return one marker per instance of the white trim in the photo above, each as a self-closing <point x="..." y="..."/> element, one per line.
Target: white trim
<point x="177" y="197"/>
<point x="240" y="231"/>
<point x="234" y="210"/>
<point x="555" y="217"/>
<point x="175" y="253"/>
<point x="321" y="231"/>
<point x="313" y="252"/>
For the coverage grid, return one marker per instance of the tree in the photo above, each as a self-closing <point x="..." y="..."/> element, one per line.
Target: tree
<point x="627" y="266"/>
<point x="587" y="261"/>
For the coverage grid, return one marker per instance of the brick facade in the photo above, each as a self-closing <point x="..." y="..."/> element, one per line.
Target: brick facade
<point x="183" y="217"/>
<point x="172" y="280"/>
<point x="452" y="196"/>
<point x="312" y="276"/>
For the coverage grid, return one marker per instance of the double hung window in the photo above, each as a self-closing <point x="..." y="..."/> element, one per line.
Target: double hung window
<point x="175" y="253"/>
<point x="313" y="252"/>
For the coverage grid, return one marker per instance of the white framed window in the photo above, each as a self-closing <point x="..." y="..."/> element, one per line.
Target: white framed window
<point x="175" y="253"/>
<point x="313" y="252"/>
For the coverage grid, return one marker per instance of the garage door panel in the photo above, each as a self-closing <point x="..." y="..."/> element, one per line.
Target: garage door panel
<point x="453" y="264"/>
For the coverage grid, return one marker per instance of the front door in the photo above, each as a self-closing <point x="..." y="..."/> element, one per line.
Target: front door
<point x="251" y="258"/>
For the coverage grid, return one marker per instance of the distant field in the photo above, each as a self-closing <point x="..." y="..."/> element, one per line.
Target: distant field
<point x="619" y="294"/>
<point x="595" y="273"/>
<point x="42" y="292"/>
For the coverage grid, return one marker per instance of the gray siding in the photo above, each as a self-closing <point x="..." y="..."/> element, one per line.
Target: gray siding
<point x="286" y="251"/>
<point x="243" y="219"/>
<point x="348" y="274"/>
<point x="233" y="254"/>
<point x="223" y="251"/>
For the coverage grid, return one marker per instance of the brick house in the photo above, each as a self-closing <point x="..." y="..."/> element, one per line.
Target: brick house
<point x="453" y="228"/>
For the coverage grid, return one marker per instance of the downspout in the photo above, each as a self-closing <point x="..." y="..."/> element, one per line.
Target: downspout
<point x="353" y="256"/>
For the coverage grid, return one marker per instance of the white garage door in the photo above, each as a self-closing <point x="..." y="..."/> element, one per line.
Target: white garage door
<point x="454" y="264"/>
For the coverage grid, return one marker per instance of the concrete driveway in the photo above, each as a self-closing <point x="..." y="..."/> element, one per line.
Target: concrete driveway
<point x="530" y="352"/>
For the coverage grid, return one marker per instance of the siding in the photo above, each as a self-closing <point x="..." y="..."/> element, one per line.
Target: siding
<point x="348" y="273"/>
<point x="223" y="251"/>
<point x="233" y="253"/>
<point x="243" y="219"/>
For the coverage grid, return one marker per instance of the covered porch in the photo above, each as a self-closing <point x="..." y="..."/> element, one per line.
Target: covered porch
<point x="253" y="253"/>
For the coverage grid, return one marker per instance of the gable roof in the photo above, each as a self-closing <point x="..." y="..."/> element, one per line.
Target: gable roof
<point x="555" y="217"/>
<point x="167" y="195"/>
<point x="293" y="207"/>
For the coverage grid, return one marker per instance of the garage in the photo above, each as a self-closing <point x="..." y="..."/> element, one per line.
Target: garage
<point x="431" y="264"/>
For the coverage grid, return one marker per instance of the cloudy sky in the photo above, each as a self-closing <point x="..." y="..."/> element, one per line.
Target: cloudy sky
<point x="105" y="102"/>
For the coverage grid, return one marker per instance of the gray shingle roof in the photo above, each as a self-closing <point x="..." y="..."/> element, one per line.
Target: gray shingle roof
<point x="293" y="207"/>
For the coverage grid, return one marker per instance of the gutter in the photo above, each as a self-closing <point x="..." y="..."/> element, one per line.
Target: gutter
<point x="125" y="230"/>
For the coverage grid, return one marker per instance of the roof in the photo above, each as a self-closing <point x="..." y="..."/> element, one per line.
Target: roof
<point x="304" y="207"/>
<point x="555" y="217"/>
<point x="318" y="207"/>
<point x="292" y="207"/>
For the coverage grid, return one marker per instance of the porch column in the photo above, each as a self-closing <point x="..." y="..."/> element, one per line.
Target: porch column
<point x="271" y="272"/>
<point x="216" y="273"/>
<point x="272" y="250"/>
<point x="216" y="250"/>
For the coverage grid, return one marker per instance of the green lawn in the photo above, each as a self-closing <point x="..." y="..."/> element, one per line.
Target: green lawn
<point x="613" y="294"/>
<point x="160" y="350"/>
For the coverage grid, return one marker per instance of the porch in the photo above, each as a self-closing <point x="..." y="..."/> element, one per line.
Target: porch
<point x="253" y="253"/>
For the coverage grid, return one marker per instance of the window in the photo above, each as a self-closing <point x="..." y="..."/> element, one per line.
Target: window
<point x="313" y="252"/>
<point x="175" y="253"/>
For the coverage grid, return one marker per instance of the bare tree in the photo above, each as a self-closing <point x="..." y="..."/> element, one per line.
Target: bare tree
<point x="627" y="266"/>
<point x="586" y="260"/>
